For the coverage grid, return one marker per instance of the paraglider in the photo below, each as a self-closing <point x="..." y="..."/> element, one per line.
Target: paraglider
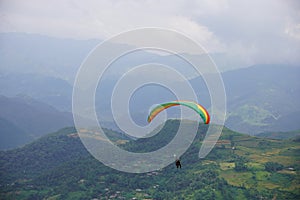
<point x="193" y="105"/>
<point x="190" y="104"/>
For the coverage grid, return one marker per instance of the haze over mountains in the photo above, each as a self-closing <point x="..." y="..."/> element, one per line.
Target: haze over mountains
<point x="37" y="54"/>
<point x="68" y="66"/>
<point x="263" y="98"/>
<point x="23" y="119"/>
<point x="40" y="71"/>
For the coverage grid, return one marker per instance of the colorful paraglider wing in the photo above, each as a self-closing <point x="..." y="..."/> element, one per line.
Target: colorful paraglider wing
<point x="196" y="107"/>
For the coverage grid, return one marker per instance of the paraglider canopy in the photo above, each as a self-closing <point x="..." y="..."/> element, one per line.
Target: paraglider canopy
<point x="193" y="105"/>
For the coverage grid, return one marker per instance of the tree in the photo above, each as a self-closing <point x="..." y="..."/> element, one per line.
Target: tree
<point x="240" y="164"/>
<point x="273" y="166"/>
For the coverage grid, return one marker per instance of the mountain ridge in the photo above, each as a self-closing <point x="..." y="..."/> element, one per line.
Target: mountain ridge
<point x="30" y="119"/>
<point x="261" y="98"/>
<point x="58" y="166"/>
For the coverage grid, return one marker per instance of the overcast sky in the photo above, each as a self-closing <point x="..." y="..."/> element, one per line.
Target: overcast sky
<point x="253" y="31"/>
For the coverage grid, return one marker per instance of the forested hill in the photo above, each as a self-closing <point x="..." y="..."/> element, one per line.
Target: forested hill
<point x="58" y="166"/>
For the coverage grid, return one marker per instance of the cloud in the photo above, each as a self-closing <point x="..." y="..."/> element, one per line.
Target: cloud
<point x="257" y="31"/>
<point x="100" y="19"/>
<point x="243" y="32"/>
<point x="293" y="30"/>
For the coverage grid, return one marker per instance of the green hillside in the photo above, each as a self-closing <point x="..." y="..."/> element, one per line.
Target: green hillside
<point x="239" y="167"/>
<point x="280" y="135"/>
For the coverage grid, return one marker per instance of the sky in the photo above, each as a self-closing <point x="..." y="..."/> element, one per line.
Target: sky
<point x="241" y="33"/>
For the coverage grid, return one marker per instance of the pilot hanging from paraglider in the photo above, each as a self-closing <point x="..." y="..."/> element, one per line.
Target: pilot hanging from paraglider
<point x="177" y="163"/>
<point x="194" y="106"/>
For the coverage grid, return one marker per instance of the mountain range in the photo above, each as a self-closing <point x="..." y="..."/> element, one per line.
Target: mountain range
<point x="23" y="119"/>
<point x="260" y="98"/>
<point x="263" y="98"/>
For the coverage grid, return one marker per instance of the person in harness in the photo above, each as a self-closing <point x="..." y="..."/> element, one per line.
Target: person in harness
<point x="178" y="164"/>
